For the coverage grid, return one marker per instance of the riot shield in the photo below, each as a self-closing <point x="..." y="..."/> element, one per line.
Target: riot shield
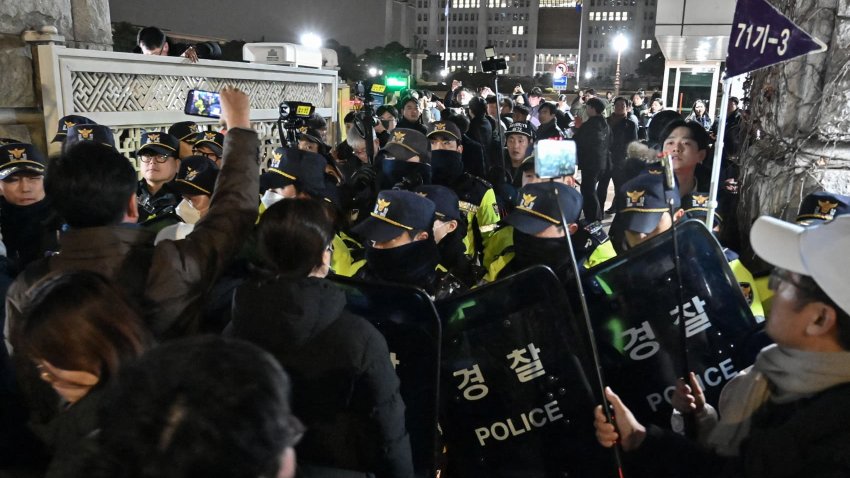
<point x="514" y="399"/>
<point x="633" y="304"/>
<point x="406" y="318"/>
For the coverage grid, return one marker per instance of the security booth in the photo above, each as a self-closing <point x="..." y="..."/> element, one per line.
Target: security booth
<point x="693" y="36"/>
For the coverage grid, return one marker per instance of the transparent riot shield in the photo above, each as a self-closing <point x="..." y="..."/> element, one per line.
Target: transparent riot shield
<point x="406" y="318"/>
<point x="633" y="302"/>
<point x="514" y="399"/>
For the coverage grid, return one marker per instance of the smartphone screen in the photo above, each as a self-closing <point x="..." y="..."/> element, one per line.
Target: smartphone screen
<point x="554" y="159"/>
<point x="203" y="103"/>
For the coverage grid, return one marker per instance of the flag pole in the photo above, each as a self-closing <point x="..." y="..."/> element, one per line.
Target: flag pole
<point x="718" y="154"/>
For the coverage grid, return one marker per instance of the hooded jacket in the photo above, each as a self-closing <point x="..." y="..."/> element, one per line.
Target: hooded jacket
<point x="345" y="389"/>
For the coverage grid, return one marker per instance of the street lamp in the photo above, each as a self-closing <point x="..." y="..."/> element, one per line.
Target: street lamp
<point x="373" y="71"/>
<point x="311" y="40"/>
<point x="620" y="43"/>
<point x="588" y="75"/>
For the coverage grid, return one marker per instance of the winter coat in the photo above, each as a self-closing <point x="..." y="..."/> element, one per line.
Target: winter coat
<point x="344" y="387"/>
<point x="593" y="140"/>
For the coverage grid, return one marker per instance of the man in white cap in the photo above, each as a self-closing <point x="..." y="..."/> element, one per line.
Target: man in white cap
<point x="788" y="414"/>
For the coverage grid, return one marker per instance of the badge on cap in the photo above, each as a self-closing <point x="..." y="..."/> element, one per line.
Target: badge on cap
<point x="69" y="125"/>
<point x="276" y="161"/>
<point x="635" y="198"/>
<point x="302" y="129"/>
<point x="210" y="135"/>
<point x="827" y="208"/>
<point x="17" y="154"/>
<point x="698" y="201"/>
<point x="85" y="133"/>
<point x="193" y="128"/>
<point x="439" y="126"/>
<point x="153" y="137"/>
<point x="382" y="207"/>
<point x="191" y="173"/>
<point x="527" y="201"/>
<point x="398" y="136"/>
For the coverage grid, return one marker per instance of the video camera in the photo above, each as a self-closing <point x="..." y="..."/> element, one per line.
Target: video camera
<point x="366" y="119"/>
<point x="290" y="113"/>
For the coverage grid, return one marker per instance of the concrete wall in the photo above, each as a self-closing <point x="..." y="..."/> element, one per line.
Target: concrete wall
<point x="83" y="23"/>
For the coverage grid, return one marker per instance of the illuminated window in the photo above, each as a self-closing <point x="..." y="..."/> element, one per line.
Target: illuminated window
<point x="557" y="3"/>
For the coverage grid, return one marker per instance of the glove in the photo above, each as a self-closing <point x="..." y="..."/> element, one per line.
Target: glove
<point x="365" y="177"/>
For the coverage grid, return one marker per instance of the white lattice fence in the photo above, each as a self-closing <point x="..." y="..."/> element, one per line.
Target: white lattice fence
<point x="135" y="93"/>
<point x="128" y="140"/>
<point x="115" y="92"/>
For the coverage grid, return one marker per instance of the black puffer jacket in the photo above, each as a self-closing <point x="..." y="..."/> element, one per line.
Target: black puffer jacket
<point x="344" y="387"/>
<point x="593" y="141"/>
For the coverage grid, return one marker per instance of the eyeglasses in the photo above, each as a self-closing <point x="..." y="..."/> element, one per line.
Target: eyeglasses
<point x="783" y="275"/>
<point x="209" y="155"/>
<point x="157" y="158"/>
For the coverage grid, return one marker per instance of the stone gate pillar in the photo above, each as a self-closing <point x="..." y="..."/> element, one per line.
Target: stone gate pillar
<point x="79" y="23"/>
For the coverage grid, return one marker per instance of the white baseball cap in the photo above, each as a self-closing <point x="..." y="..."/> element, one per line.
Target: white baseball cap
<point x="821" y="252"/>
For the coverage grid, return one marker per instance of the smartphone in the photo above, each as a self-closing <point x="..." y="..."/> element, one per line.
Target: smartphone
<point x="554" y="159"/>
<point x="203" y="103"/>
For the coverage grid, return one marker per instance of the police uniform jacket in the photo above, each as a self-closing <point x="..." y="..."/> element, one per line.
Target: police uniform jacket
<point x="29" y="232"/>
<point x="477" y="200"/>
<point x="151" y="206"/>
<point x="169" y="280"/>
<point x="345" y="389"/>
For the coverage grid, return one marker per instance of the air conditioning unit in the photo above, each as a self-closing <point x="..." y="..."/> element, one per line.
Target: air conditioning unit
<point x="287" y="54"/>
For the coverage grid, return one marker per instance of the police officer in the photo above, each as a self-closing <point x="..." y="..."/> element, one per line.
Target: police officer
<point x="401" y="247"/>
<point x="187" y="133"/>
<point x="476" y="196"/>
<point x="66" y="123"/>
<point x="450" y="232"/>
<point x="695" y="206"/>
<point x="538" y="234"/>
<point x="195" y="182"/>
<point x="159" y="164"/>
<point x="405" y="162"/>
<point x="209" y="144"/>
<point x="310" y="139"/>
<point x="294" y="173"/>
<point x="27" y="220"/>
<point x="88" y="132"/>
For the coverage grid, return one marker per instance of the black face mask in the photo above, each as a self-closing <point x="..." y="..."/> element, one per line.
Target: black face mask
<point x="386" y="124"/>
<point x="531" y="251"/>
<point x="397" y="174"/>
<point x="447" y="167"/>
<point x="411" y="264"/>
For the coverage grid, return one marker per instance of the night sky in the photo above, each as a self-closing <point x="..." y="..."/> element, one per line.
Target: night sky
<point x="356" y="23"/>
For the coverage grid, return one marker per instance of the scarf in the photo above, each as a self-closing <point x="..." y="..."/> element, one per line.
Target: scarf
<point x="780" y="375"/>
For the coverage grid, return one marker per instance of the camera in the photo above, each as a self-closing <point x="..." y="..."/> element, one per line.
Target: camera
<point x="289" y="115"/>
<point x="295" y="110"/>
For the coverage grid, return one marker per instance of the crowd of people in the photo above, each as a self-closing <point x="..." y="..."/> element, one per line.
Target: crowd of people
<point x="111" y="282"/>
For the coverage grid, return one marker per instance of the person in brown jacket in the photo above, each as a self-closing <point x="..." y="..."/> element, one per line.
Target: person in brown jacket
<point x="94" y="191"/>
